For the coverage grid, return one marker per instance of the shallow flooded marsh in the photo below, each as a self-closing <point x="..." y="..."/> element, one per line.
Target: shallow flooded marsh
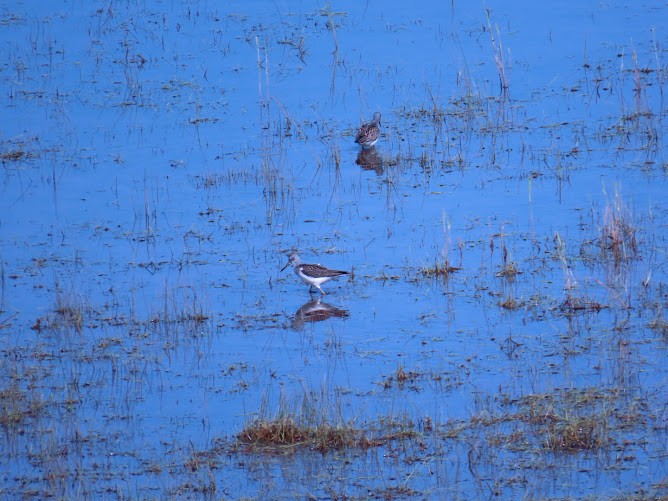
<point x="501" y="331"/>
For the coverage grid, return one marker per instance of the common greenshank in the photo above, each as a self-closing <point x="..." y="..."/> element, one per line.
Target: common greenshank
<point x="312" y="274"/>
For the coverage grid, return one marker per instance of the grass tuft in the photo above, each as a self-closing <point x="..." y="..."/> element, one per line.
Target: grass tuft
<point x="509" y="271"/>
<point x="443" y="270"/>
<point x="576" y="434"/>
<point x="310" y="428"/>
<point x="290" y="431"/>
<point x="12" y="156"/>
<point x="574" y="304"/>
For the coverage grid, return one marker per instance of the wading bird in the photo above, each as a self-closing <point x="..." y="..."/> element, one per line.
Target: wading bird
<point x="312" y="274"/>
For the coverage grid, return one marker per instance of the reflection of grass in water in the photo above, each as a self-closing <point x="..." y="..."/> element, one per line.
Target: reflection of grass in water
<point x="618" y="232"/>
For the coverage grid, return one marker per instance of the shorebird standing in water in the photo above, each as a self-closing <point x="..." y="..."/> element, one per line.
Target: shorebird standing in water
<point x="368" y="134"/>
<point x="312" y="274"/>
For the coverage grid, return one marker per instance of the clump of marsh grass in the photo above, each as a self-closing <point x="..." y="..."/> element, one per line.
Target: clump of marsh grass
<point x="576" y="433"/>
<point x="401" y="377"/>
<point x="313" y="423"/>
<point x="18" y="150"/>
<point x="569" y="420"/>
<point x="510" y="303"/>
<point x="71" y="316"/>
<point x="509" y="271"/>
<point x="443" y="270"/>
<point x="310" y="426"/>
<point x="69" y="313"/>
<point x="574" y="304"/>
<point x="12" y="156"/>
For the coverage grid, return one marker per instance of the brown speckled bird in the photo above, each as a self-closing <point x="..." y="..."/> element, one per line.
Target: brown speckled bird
<point x="368" y="134"/>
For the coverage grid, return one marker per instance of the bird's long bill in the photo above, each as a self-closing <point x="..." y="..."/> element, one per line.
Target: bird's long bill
<point x="286" y="265"/>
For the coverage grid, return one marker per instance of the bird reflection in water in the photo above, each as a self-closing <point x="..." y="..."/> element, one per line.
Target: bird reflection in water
<point x="316" y="311"/>
<point x="369" y="159"/>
